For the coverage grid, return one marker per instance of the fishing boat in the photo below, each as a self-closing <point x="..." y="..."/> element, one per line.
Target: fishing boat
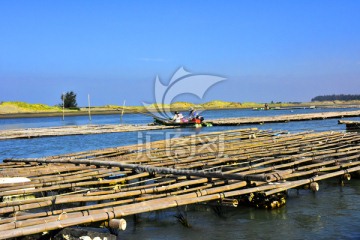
<point x="158" y="121"/>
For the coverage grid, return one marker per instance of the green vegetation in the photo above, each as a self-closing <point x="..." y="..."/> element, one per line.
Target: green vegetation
<point x="221" y="104"/>
<point x="68" y="100"/>
<point x="182" y="105"/>
<point x="22" y="107"/>
<point x="15" y="107"/>
<point x="336" y="97"/>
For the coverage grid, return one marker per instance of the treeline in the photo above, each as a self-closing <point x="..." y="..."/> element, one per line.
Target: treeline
<point x="334" y="97"/>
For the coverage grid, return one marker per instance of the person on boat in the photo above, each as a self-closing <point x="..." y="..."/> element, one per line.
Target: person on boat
<point x="198" y="119"/>
<point x="178" y="117"/>
<point x="201" y="118"/>
<point x="266" y="107"/>
<point x="192" y="114"/>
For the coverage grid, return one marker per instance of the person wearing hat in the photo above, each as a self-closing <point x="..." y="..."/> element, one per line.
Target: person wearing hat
<point x="177" y="117"/>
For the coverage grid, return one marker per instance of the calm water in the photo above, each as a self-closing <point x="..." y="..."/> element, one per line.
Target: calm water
<point x="331" y="213"/>
<point x="40" y="147"/>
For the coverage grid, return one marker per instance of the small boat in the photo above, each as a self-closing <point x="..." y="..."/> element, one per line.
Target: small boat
<point x="263" y="109"/>
<point x="165" y="122"/>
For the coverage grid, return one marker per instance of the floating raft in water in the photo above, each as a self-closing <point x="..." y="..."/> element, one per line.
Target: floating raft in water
<point x="229" y="168"/>
<point x="75" y="130"/>
<point x="283" y="118"/>
<point x="351" y="125"/>
<point x="283" y="108"/>
<point x="98" y="129"/>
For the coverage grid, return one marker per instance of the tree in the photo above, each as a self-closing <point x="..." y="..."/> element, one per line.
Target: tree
<point x="69" y="100"/>
<point x="334" y="97"/>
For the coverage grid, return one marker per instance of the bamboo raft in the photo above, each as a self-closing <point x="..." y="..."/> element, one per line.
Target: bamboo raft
<point x="351" y="125"/>
<point x="75" y="130"/>
<point x="283" y="118"/>
<point x="239" y="167"/>
<point x="98" y="129"/>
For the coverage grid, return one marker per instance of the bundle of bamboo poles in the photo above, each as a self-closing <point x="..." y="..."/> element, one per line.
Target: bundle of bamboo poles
<point x="97" y="186"/>
<point x="351" y="125"/>
<point x="284" y="118"/>
<point x="75" y="130"/>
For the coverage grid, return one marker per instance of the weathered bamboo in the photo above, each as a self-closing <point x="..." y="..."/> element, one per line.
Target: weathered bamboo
<point x="61" y="179"/>
<point x="158" y="205"/>
<point x="14" y="225"/>
<point x="351" y="125"/>
<point x="75" y="130"/>
<point x="289" y="185"/>
<point x="75" y="184"/>
<point x="40" y="170"/>
<point x="284" y="118"/>
<point x="118" y="224"/>
<point x="245" y="153"/>
<point x="150" y="169"/>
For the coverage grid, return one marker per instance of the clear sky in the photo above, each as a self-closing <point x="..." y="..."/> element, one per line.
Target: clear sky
<point x="270" y="50"/>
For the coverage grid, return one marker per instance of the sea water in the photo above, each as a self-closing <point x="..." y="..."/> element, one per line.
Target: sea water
<point x="331" y="213"/>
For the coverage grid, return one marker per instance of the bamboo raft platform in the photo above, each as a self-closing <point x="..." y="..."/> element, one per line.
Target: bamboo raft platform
<point x="351" y="125"/>
<point x="75" y="130"/>
<point x="99" y="129"/>
<point x="283" y="118"/>
<point x="234" y="168"/>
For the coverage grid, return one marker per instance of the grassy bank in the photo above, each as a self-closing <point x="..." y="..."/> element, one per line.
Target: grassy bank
<point x="22" y="109"/>
<point x="18" y="107"/>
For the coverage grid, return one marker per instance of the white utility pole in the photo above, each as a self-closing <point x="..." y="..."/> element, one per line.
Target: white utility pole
<point x="63" y="98"/>
<point x="89" y="107"/>
<point x="122" y="112"/>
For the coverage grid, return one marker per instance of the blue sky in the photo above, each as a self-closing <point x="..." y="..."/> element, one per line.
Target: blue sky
<point x="268" y="50"/>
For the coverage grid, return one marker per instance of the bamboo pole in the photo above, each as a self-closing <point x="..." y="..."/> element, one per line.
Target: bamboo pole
<point x="76" y="130"/>
<point x="289" y="185"/>
<point x="159" y="204"/>
<point x="63" y="106"/>
<point x="269" y="156"/>
<point x="284" y="118"/>
<point x="89" y="107"/>
<point x="122" y="113"/>
<point x="150" y="169"/>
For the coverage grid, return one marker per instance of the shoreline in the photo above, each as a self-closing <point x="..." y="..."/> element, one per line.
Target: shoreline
<point x="84" y="111"/>
<point x="112" y="128"/>
<point x="56" y="114"/>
